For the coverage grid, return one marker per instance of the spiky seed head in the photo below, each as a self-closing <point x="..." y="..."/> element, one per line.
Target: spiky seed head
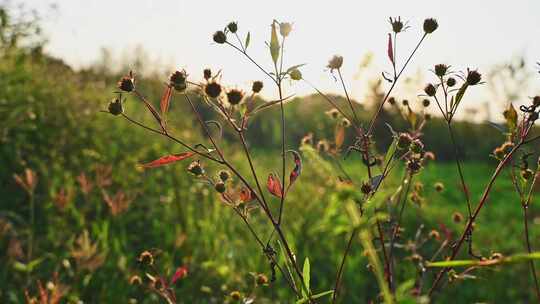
<point x="212" y="89"/>
<point x="335" y="62"/>
<point x="220" y="37"/>
<point x="207" y="73"/>
<point x="127" y="83"/>
<point x="224" y="175"/>
<point x="404" y="140"/>
<point x="366" y="188"/>
<point x="416" y="146"/>
<point x="457" y="217"/>
<point x="397" y="24"/>
<point x="430" y="90"/>
<point x="473" y="77"/>
<point x="430" y="25"/>
<point x="257" y="86"/>
<point x="425" y="103"/>
<point x="196" y="168"/>
<point x="233" y="27"/>
<point x="451" y="82"/>
<point x="220" y="187"/>
<point x="115" y="107"/>
<point x="178" y="80"/>
<point x="234" y="96"/>
<point x="441" y="69"/>
<point x="439" y="187"/>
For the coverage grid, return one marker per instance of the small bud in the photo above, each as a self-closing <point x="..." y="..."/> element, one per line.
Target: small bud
<point x="220" y="37"/>
<point x="224" y="175"/>
<point x="235" y="96"/>
<point x="441" y="69"/>
<point x="335" y="63"/>
<point x="233" y="27"/>
<point x="235" y="295"/>
<point x="473" y="77"/>
<point x="177" y="80"/>
<point x="496" y="256"/>
<point x="135" y="280"/>
<point x="451" y="82"/>
<point x="257" y="86"/>
<point x="366" y="188"/>
<point x="261" y="279"/>
<point x="425" y="103"/>
<point x="405" y="102"/>
<point x="439" y="187"/>
<point x="430" y="25"/>
<point x="212" y="89"/>
<point x="457" y="217"/>
<point x="195" y="168"/>
<point x="127" y="83"/>
<point x="414" y="165"/>
<point x="430" y="90"/>
<point x="285" y="28"/>
<point x="295" y="74"/>
<point x="307" y="140"/>
<point x="207" y="74"/>
<point x="392" y="100"/>
<point x="429" y="155"/>
<point x="115" y="107"/>
<point x="220" y="187"/>
<point x="146" y="258"/>
<point x="499" y="153"/>
<point x="322" y="146"/>
<point x="345" y="123"/>
<point x="416" y="146"/>
<point x="404" y="140"/>
<point x="434" y="234"/>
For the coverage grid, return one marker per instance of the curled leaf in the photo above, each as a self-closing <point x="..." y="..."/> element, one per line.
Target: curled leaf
<point x="274" y="185"/>
<point x="295" y="173"/>
<point x="168" y="159"/>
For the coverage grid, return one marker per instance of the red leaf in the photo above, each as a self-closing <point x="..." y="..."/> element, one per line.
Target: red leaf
<point x="274" y="185"/>
<point x="390" y="49"/>
<point x="246" y="195"/>
<point x="165" y="160"/>
<point x="295" y="173"/>
<point x="181" y="272"/>
<point x="165" y="100"/>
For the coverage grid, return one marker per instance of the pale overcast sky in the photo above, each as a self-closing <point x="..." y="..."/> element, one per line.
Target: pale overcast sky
<point x="472" y="33"/>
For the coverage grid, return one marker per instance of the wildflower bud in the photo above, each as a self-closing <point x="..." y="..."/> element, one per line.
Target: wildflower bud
<point x="430" y="90"/>
<point x="434" y="234"/>
<point x="295" y="74"/>
<point x="414" y="165"/>
<point x="334" y="113"/>
<point x="135" y="280"/>
<point x="127" y="83"/>
<point x="429" y="155"/>
<point x="220" y="187"/>
<point x="392" y="100"/>
<point x="416" y="258"/>
<point x="177" y="80"/>
<point x="345" y="123"/>
<point x="257" y="86"/>
<point x="220" y="37"/>
<point x="233" y="27"/>
<point x="439" y="187"/>
<point x="527" y="174"/>
<point x="536" y="101"/>
<point x="224" y="175"/>
<point x="235" y="295"/>
<point x="404" y="140"/>
<point x="473" y="77"/>
<point x="416" y="146"/>
<point x="261" y="279"/>
<point x="441" y="69"/>
<point x="405" y="102"/>
<point x="451" y="82"/>
<point x="195" y="168"/>
<point x="425" y="103"/>
<point x="235" y="96"/>
<point x="285" y="28"/>
<point x="457" y="217"/>
<point x="397" y="24"/>
<point x="335" y="63"/>
<point x="207" y="74"/>
<point x="212" y="89"/>
<point x="366" y="188"/>
<point x="115" y="107"/>
<point x="159" y="284"/>
<point x="499" y="153"/>
<point x="146" y="258"/>
<point x="430" y="25"/>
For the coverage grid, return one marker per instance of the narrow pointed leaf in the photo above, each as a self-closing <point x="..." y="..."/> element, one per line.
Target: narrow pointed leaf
<point x="459" y="95"/>
<point x="168" y="159"/>
<point x="165" y="100"/>
<point x="271" y="103"/>
<point x="390" y="49"/>
<point x="274" y="43"/>
<point x="306" y="272"/>
<point x="315" y="296"/>
<point x="511" y="117"/>
<point x="295" y="173"/>
<point x="248" y="39"/>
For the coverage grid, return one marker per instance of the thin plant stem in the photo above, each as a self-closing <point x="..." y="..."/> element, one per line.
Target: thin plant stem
<point x="529" y="250"/>
<point x="348" y="98"/>
<point x="342" y="265"/>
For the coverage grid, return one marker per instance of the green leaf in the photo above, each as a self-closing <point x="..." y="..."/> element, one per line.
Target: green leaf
<point x="516" y="258"/>
<point x="459" y="96"/>
<point x="390" y="153"/>
<point x="274" y="43"/>
<point x="294" y="67"/>
<point x="248" y="39"/>
<point x="315" y="296"/>
<point x="306" y="274"/>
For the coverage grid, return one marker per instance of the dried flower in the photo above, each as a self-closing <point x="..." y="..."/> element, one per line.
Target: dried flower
<point x="178" y="80"/>
<point x="207" y="74"/>
<point x="261" y="279"/>
<point x="232" y="26"/>
<point x="404" y="140"/>
<point x="235" y="295"/>
<point x="536" y="101"/>
<point x="414" y="165"/>
<point x="457" y="217"/>
<point x="430" y="90"/>
<point x="135" y="280"/>
<point x="473" y="77"/>
<point x="439" y="187"/>
<point x="212" y="89"/>
<point x="285" y="28"/>
<point x="345" y="122"/>
<point x="416" y="146"/>
<point x="434" y="234"/>
<point x="235" y="96"/>
<point x="28" y="181"/>
<point x="127" y="83"/>
<point x="397" y="24"/>
<point x="257" y="86"/>
<point x="224" y="175"/>
<point x="366" y="188"/>
<point x="451" y="82"/>
<point x="115" y="107"/>
<point x="425" y="103"/>
<point x="220" y="187"/>
<point x="392" y="100"/>
<point x="146" y="258"/>
<point x="195" y="168"/>
<point x="405" y="102"/>
<point x="441" y="69"/>
<point x="333" y="113"/>
<point x="220" y="37"/>
<point x="430" y="25"/>
<point x="335" y="63"/>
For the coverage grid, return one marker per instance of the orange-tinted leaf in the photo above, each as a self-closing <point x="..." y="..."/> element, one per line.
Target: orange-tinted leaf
<point x="168" y="159"/>
<point x="390" y="49"/>
<point x="274" y="185"/>
<point x="245" y="195"/>
<point x="165" y="100"/>
<point x="340" y="136"/>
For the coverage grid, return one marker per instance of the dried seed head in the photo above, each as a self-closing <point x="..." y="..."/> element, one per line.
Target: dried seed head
<point x="195" y="168"/>
<point x="178" y="80"/>
<point x="397" y="24"/>
<point x="220" y="187"/>
<point x="335" y="63"/>
<point x="212" y="89"/>
<point x="322" y="146"/>
<point x="224" y="175"/>
<point x="416" y="146"/>
<point x="473" y="77"/>
<point x="414" y="165"/>
<point x="425" y="103"/>
<point x="430" y="25"/>
<point x="429" y="155"/>
<point x="392" y="100"/>
<point x="235" y="295"/>
<point x="127" y="83"/>
<point x="439" y="187"/>
<point x="295" y="74"/>
<point x="261" y="279"/>
<point x="405" y="102"/>
<point x="235" y="96"/>
<point x="220" y="37"/>
<point x="146" y="258"/>
<point x="496" y="256"/>
<point x="285" y="28"/>
<point x="430" y="90"/>
<point x="207" y="73"/>
<point x="441" y="69"/>
<point x="333" y="113"/>
<point x="115" y="107"/>
<point x="257" y="86"/>
<point x="451" y="82"/>
<point x="345" y="122"/>
<point x="457" y="217"/>
<point x="404" y="140"/>
<point x="527" y="174"/>
<point x="366" y="188"/>
<point x="233" y="27"/>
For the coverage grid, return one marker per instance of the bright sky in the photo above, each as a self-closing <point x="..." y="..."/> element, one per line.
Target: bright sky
<point x="472" y="33"/>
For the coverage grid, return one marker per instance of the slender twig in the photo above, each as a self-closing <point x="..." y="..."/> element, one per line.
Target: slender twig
<point x="342" y="265"/>
<point x="348" y="98"/>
